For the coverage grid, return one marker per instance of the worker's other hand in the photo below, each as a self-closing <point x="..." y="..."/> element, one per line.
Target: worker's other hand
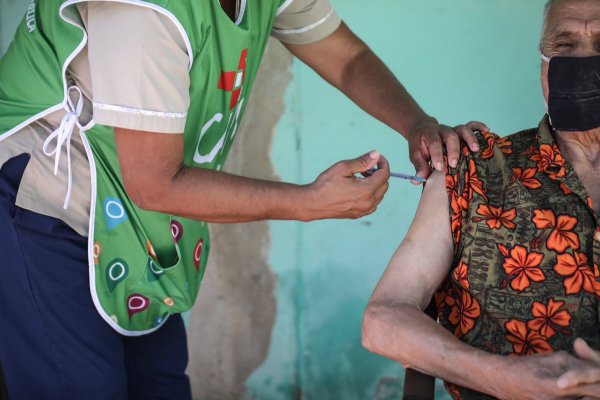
<point x="427" y="138"/>
<point x="339" y="193"/>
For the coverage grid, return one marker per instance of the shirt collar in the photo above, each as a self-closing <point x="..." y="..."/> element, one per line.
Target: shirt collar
<point x="559" y="169"/>
<point x="546" y="133"/>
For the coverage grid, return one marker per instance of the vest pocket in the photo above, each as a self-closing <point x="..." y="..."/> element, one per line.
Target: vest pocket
<point x="169" y="289"/>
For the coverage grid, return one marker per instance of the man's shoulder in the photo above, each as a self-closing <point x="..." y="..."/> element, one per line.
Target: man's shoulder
<point x="524" y="139"/>
<point x="496" y="148"/>
<point x="497" y="155"/>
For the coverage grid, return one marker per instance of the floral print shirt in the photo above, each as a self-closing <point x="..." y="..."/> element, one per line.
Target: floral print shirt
<point x="525" y="276"/>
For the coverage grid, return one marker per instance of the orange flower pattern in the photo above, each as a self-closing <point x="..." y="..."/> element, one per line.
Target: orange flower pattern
<point x="597" y="279"/>
<point x="496" y="217"/>
<point x="565" y="189"/>
<point x="475" y="183"/>
<point x="525" y="277"/>
<point x="527" y="177"/>
<point x="561" y="237"/>
<point x="461" y="275"/>
<point x="493" y="141"/>
<point x="505" y="145"/>
<point x="464" y="311"/>
<point x="521" y="268"/>
<point x="525" y="340"/>
<point x="455" y="205"/>
<point x="577" y="272"/>
<point x="549" y="318"/>
<point x="548" y="158"/>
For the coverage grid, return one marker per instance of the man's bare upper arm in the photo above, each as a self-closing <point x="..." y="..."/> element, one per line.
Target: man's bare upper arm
<point x="424" y="257"/>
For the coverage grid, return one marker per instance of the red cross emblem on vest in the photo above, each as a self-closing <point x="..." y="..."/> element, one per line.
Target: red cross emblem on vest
<point x="233" y="81"/>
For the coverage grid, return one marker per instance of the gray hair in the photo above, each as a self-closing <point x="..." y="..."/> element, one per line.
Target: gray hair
<point x="547" y="8"/>
<point x="549" y="4"/>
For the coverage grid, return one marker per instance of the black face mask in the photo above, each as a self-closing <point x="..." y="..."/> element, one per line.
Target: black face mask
<point x="574" y="96"/>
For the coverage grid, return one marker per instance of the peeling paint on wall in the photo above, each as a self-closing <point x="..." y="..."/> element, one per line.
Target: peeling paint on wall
<point x="230" y="326"/>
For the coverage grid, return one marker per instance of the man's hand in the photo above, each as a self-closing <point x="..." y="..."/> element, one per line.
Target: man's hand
<point x="427" y="138"/>
<point x="538" y="377"/>
<point x="585" y="352"/>
<point x="338" y="193"/>
<point x="585" y="379"/>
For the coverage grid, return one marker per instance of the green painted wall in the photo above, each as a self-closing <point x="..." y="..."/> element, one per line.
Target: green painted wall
<point x="462" y="60"/>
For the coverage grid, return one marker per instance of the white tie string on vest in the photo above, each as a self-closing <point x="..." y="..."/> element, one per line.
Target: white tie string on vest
<point x="63" y="134"/>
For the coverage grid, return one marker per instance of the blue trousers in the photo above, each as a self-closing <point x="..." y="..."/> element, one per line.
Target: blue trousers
<point x="53" y="343"/>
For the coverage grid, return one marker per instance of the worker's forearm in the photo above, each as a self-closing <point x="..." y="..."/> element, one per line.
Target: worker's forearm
<point x="371" y="85"/>
<point x="407" y="335"/>
<point x="155" y="180"/>
<point x="219" y="197"/>
<point x="212" y="196"/>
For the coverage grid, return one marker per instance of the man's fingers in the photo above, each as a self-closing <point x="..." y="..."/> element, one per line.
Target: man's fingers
<point x="383" y="164"/>
<point x="383" y="169"/>
<point x="419" y="157"/>
<point x="375" y="198"/>
<point x="381" y="192"/>
<point x="421" y="164"/>
<point x="584" y="351"/>
<point x="466" y="133"/>
<point x="478" y="126"/>
<point x="434" y="147"/>
<point x="431" y="139"/>
<point x="578" y="377"/>
<point x="452" y="143"/>
<point x="377" y="184"/>
<point x="381" y="175"/>
<point x="585" y="392"/>
<point x="360" y="164"/>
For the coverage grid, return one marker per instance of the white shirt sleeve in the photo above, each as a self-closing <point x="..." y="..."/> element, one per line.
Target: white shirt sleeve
<point x="138" y="68"/>
<point x="305" y="21"/>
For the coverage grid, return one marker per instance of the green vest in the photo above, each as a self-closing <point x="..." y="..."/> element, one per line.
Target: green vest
<point x="143" y="265"/>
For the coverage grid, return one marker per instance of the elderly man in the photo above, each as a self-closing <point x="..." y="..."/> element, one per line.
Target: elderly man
<point x="513" y="267"/>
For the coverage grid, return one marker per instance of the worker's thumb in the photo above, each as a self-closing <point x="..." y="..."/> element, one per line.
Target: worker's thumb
<point x="363" y="163"/>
